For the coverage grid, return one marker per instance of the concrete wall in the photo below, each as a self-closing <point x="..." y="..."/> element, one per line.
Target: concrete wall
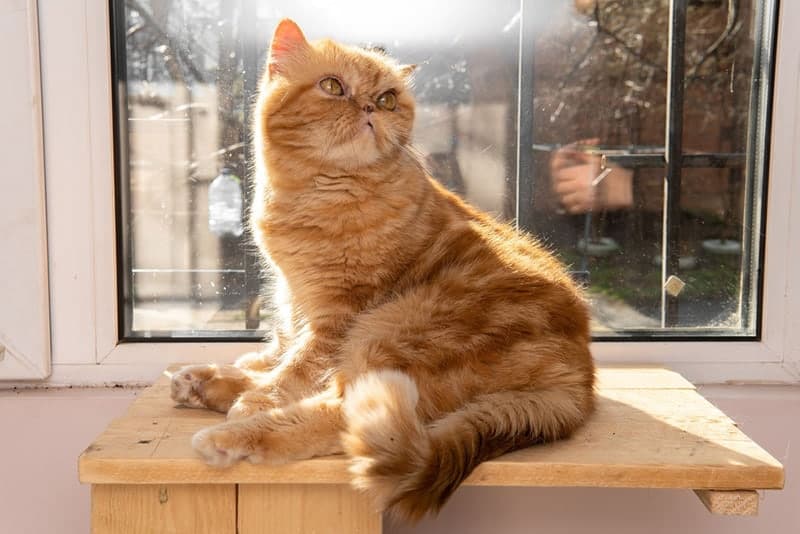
<point x="44" y="431"/>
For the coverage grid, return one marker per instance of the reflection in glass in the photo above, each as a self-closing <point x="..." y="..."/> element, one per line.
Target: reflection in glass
<point x="591" y="73"/>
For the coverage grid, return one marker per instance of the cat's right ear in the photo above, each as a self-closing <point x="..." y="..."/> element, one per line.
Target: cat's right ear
<point x="407" y="71"/>
<point x="287" y="42"/>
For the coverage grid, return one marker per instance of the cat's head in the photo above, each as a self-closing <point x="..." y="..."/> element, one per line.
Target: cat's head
<point x="336" y="105"/>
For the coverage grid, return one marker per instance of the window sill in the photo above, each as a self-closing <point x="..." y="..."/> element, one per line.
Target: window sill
<point x="132" y="373"/>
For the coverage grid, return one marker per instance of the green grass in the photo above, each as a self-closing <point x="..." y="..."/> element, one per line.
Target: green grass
<point x="636" y="282"/>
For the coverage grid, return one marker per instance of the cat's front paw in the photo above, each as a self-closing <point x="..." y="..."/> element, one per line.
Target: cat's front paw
<point x="224" y="445"/>
<point x="211" y="386"/>
<point x="184" y="385"/>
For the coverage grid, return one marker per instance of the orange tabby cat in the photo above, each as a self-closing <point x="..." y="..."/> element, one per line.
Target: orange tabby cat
<point x="417" y="334"/>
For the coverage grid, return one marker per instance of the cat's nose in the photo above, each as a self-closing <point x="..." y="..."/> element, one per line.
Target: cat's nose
<point x="369" y="108"/>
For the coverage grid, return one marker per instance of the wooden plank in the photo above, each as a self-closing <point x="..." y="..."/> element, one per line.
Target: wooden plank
<point x="167" y="509"/>
<point x="305" y="509"/>
<point x="664" y="436"/>
<point x="639" y="377"/>
<point x="729" y="502"/>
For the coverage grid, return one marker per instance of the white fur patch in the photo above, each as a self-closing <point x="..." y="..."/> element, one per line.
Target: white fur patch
<point x="376" y="391"/>
<point x="382" y="426"/>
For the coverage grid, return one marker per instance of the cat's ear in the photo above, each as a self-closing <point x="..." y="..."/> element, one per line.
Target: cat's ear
<point x="287" y="41"/>
<point x="407" y="71"/>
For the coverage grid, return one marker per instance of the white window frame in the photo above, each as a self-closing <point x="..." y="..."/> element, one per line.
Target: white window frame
<point x="76" y="71"/>
<point x="24" y="299"/>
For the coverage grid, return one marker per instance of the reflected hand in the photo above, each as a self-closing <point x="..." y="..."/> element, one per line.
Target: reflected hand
<point x="572" y="172"/>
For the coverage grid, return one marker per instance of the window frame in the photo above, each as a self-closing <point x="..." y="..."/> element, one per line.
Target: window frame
<point x="25" y="316"/>
<point x="76" y="72"/>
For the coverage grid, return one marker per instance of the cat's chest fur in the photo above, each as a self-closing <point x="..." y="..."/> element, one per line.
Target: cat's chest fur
<point x="335" y="242"/>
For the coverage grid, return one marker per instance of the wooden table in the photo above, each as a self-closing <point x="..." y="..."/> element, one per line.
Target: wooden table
<point x="651" y="430"/>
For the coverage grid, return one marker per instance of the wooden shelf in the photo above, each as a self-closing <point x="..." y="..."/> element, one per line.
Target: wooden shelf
<point x="651" y="430"/>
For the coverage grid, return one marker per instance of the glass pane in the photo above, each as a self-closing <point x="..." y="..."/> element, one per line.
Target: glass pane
<point x="191" y="68"/>
<point x="600" y="89"/>
<point x="180" y="124"/>
<point x="520" y="107"/>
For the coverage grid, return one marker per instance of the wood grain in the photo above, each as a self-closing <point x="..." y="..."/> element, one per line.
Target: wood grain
<point x="640" y="377"/>
<point x="729" y="502"/>
<point x="651" y="430"/>
<point x="301" y="509"/>
<point x="164" y="509"/>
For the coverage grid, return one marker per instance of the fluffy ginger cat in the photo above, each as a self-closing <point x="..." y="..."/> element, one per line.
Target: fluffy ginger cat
<point x="417" y="334"/>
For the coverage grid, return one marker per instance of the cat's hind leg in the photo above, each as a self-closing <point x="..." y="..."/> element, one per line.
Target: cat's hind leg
<point x="302" y="430"/>
<point x="211" y="386"/>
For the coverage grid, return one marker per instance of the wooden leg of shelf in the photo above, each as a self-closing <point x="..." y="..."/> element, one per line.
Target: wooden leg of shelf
<point x="738" y="502"/>
<point x="178" y="509"/>
<point x="305" y="509"/>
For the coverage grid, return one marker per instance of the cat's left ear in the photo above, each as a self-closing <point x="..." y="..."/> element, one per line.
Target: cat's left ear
<point x="287" y="42"/>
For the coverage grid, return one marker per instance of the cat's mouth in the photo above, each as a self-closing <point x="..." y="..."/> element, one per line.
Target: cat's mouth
<point x="367" y="128"/>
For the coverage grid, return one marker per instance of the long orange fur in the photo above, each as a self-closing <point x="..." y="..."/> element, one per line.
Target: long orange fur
<point x="416" y="333"/>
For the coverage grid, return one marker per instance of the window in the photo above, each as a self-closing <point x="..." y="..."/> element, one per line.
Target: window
<point x="629" y="135"/>
<point x="80" y="97"/>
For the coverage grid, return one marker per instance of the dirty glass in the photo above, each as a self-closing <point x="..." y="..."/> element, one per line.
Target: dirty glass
<point x="551" y="115"/>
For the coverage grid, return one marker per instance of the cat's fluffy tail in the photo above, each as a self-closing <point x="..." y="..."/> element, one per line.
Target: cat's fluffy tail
<point x="411" y="469"/>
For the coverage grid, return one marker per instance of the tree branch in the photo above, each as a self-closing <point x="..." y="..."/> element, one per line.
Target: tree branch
<point x="730" y="26"/>
<point x="620" y="41"/>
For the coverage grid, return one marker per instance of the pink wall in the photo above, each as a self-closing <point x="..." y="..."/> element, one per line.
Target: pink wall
<point x="44" y="431"/>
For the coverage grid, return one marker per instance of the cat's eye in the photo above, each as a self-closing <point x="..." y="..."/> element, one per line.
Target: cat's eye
<point x="387" y="101"/>
<point x="332" y="86"/>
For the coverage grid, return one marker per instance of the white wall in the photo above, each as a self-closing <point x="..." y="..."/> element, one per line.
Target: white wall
<point x="44" y="431"/>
